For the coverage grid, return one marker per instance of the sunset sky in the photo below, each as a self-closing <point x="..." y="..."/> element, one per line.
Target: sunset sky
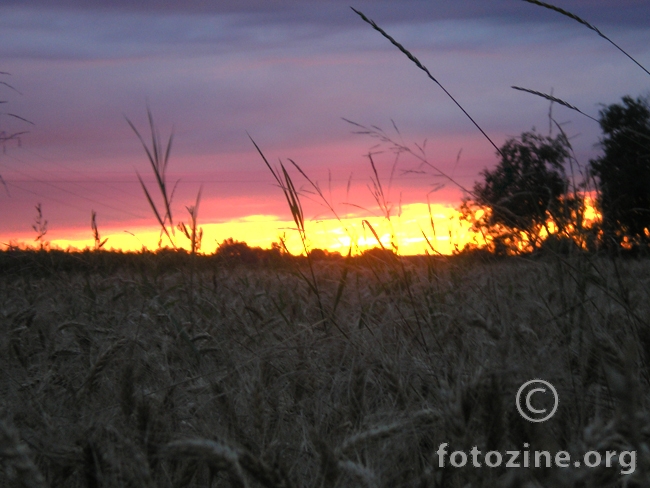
<point x="287" y="73"/>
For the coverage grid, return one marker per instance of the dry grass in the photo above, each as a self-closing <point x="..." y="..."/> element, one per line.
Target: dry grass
<point x="120" y="380"/>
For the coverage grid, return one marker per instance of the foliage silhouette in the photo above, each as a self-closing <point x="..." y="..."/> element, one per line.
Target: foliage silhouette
<point x="623" y="173"/>
<point x="524" y="197"/>
<point x="233" y="252"/>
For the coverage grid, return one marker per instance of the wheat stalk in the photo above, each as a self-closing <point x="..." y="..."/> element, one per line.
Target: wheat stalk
<point x="16" y="456"/>
<point x="386" y="430"/>
<point x="588" y="25"/>
<point x="426" y="70"/>
<point x="158" y="159"/>
<point x="554" y="99"/>
<point x="99" y="366"/>
<point x="216" y="454"/>
<point x="219" y="455"/>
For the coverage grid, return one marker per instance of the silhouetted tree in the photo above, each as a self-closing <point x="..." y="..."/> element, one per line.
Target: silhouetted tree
<point x="238" y="252"/>
<point x="623" y="173"/>
<point x="523" y="194"/>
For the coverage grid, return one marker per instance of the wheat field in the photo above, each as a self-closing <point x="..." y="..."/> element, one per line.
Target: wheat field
<point x="156" y="371"/>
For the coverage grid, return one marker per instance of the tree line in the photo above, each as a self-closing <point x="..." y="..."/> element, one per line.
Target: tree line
<point x="538" y="194"/>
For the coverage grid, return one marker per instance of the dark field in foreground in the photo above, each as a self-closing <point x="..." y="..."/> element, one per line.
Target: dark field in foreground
<point x="212" y="375"/>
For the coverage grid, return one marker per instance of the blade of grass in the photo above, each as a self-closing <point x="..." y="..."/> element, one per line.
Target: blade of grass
<point x="365" y="223"/>
<point x="400" y="147"/>
<point x="293" y="200"/>
<point x="342" y="281"/>
<point x="8" y="85"/>
<point x="554" y="99"/>
<point x="163" y="226"/>
<point x="4" y="183"/>
<point x="586" y="24"/>
<point x="157" y="165"/>
<point x="20" y="118"/>
<point x="424" y="68"/>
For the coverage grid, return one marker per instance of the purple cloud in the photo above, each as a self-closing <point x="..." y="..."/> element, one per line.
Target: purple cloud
<point x="286" y="72"/>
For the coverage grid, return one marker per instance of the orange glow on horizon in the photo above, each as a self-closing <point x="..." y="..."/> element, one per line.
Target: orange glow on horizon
<point x="448" y="233"/>
<point x="411" y="233"/>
